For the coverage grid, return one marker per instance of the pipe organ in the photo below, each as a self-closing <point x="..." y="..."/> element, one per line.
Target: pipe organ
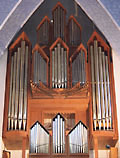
<point x="58" y="134"/>
<point x="102" y="113"/>
<point x="17" y="108"/>
<point x="39" y="139"/>
<point x="78" y="139"/>
<point x="60" y="96"/>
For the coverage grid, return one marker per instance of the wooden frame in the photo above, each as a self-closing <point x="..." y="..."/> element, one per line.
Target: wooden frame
<point x="43" y="54"/>
<point x="80" y="47"/>
<point x="59" y="40"/>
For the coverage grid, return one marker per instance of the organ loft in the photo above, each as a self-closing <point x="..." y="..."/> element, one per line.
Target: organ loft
<point x="60" y="94"/>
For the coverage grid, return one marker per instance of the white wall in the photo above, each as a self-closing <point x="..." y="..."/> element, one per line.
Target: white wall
<point x="3" y="61"/>
<point x="116" y="62"/>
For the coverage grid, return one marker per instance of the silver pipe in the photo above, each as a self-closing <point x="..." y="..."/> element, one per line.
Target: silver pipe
<point x="56" y="150"/>
<point x="53" y="66"/>
<point x="13" y="92"/>
<point x="98" y="104"/>
<point x="61" y="135"/>
<point x="84" y="70"/>
<point x="21" y="85"/>
<point x="10" y="94"/>
<point x="17" y="87"/>
<point x="56" y="65"/>
<point x="105" y="90"/>
<point x="101" y="87"/>
<point x="53" y="136"/>
<point x="59" y="65"/>
<point x="108" y="92"/>
<point x="93" y="87"/>
<point x="65" y="58"/>
<point x="44" y="71"/>
<point x="25" y="89"/>
<point x="58" y="130"/>
<point x="59" y="24"/>
<point x="62" y="66"/>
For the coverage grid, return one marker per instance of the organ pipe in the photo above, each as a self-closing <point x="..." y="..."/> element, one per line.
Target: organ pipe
<point x="10" y="95"/>
<point x="98" y="104"/>
<point x="17" y="86"/>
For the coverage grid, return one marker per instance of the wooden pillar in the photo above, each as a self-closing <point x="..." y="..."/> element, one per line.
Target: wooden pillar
<point x="24" y="143"/>
<point x="96" y="146"/>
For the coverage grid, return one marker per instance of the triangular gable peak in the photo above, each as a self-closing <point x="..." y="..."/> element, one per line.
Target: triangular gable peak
<point x="74" y="19"/>
<point x="43" y="20"/>
<point x="58" y="5"/>
<point x="59" y="40"/>
<point x="24" y="37"/>
<point x="40" y="125"/>
<point x="96" y="36"/>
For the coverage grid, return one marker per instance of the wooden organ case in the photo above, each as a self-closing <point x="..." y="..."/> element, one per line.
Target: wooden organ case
<point x="59" y="98"/>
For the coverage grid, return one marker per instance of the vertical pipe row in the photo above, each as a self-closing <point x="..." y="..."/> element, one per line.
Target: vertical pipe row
<point x="59" y="23"/>
<point x="39" y="139"/>
<point x="17" y="110"/>
<point x="40" y="69"/>
<point x="101" y="98"/>
<point x="58" y="134"/>
<point x="78" y="69"/>
<point x="59" y="67"/>
<point x="78" y="141"/>
<point x="44" y="33"/>
<point x="74" y="33"/>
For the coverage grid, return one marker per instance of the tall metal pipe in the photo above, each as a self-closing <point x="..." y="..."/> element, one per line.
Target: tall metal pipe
<point x="65" y="58"/>
<point x="56" y="66"/>
<point x="108" y="92"/>
<point x="13" y="91"/>
<point x="21" y="85"/>
<point x="105" y="90"/>
<point x="53" y="69"/>
<point x="25" y="89"/>
<point x="10" y="94"/>
<point x="93" y="87"/>
<point x="59" y="65"/>
<point x="101" y="87"/>
<point x="17" y="87"/>
<point x="98" y="104"/>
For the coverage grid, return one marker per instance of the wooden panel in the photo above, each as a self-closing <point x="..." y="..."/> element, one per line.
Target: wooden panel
<point x="113" y="152"/>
